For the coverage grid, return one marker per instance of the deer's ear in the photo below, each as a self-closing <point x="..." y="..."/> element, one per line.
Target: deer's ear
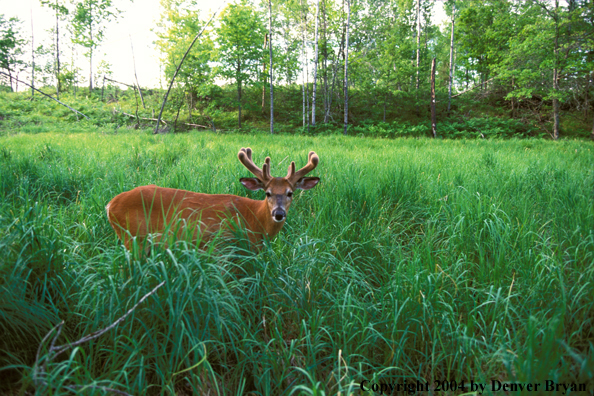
<point x="307" y="183"/>
<point x="252" y="183"/>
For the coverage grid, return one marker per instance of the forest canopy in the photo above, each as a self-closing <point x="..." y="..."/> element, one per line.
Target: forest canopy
<point x="530" y="61"/>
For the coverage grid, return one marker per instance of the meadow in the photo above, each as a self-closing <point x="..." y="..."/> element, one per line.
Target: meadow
<point x="413" y="259"/>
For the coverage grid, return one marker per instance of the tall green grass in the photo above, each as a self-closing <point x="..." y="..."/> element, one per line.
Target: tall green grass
<point x="413" y="259"/>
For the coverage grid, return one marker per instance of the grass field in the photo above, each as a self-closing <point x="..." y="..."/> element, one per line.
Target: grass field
<point x="414" y="259"/>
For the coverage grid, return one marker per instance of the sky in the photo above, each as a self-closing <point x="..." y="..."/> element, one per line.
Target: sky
<point x="132" y="27"/>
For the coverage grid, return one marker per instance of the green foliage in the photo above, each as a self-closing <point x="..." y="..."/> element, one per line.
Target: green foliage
<point x="473" y="128"/>
<point x="89" y="21"/>
<point x="413" y="259"/>
<point x="178" y="29"/>
<point x="11" y="46"/>
<point x="239" y="40"/>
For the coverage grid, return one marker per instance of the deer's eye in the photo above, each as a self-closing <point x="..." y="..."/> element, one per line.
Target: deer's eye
<point x="268" y="194"/>
<point x="290" y="194"/>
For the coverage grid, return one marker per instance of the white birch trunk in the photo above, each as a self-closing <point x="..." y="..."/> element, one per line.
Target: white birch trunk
<point x="315" y="79"/>
<point x="451" y="58"/>
<point x="346" y="69"/>
<point x="270" y="48"/>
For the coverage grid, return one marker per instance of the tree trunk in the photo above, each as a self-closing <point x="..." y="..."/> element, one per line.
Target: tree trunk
<point x="91" y="66"/>
<point x="32" y="58"/>
<point x="555" y="76"/>
<point x="91" y="50"/>
<point x="513" y="100"/>
<point x="433" y="113"/>
<point x="325" y="63"/>
<point x="136" y="78"/>
<point x="335" y="71"/>
<point x="91" y="72"/>
<point x="264" y="74"/>
<point x="315" y="79"/>
<point x="586" y="103"/>
<point x="346" y="69"/>
<point x="191" y="104"/>
<point x="451" y="58"/>
<point x="103" y="89"/>
<point x="57" y="52"/>
<point x="304" y="60"/>
<point x="418" y="42"/>
<point x="306" y="88"/>
<point x="238" y="95"/>
<point x="271" y="84"/>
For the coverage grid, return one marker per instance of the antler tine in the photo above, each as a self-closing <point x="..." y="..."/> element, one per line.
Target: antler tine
<point x="245" y="157"/>
<point x="312" y="162"/>
<point x="266" y="169"/>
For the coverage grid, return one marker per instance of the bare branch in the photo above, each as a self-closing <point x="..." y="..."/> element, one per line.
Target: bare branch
<point x="470" y="89"/>
<point x="62" y="348"/>
<point x="142" y="118"/>
<point x="119" y="82"/>
<point x="59" y="327"/>
<point x="179" y="67"/>
<point x="55" y="351"/>
<point x="43" y="93"/>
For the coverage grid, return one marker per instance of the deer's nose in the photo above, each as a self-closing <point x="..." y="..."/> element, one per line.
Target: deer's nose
<point x="279" y="215"/>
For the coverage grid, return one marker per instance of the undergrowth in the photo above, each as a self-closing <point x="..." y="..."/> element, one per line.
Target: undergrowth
<point x="414" y="259"/>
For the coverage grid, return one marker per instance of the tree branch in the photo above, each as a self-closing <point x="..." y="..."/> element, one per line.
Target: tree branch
<point x="62" y="348"/>
<point x="142" y="118"/>
<point x="57" y="350"/>
<point x="43" y="93"/>
<point x="470" y="89"/>
<point x="179" y="67"/>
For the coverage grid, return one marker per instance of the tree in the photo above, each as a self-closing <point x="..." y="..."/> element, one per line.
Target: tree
<point x="61" y="12"/>
<point x="346" y="69"/>
<point x="313" y="106"/>
<point x="433" y="112"/>
<point x="304" y="71"/>
<point x="180" y="23"/>
<point x="418" y="42"/>
<point x="541" y="53"/>
<point x="11" y="46"/>
<point x="270" y="49"/>
<point x="450" y="82"/>
<point x="239" y="51"/>
<point x="89" y="20"/>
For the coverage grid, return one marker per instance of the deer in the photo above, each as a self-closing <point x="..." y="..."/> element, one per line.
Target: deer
<point x="161" y="212"/>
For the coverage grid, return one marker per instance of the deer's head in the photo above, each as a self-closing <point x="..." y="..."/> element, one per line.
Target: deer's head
<point x="279" y="190"/>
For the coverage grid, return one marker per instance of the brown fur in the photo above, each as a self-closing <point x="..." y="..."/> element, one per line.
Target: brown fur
<point x="166" y="212"/>
<point x="152" y="209"/>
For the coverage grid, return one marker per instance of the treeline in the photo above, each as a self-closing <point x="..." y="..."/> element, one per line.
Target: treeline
<point x="529" y="60"/>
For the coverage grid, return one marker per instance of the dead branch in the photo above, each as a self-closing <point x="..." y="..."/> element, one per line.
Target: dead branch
<point x="195" y="125"/>
<point x="118" y="82"/>
<point x="54" y="351"/>
<point x="142" y="118"/>
<point x="470" y="89"/>
<point x="62" y="348"/>
<point x="163" y="121"/>
<point x="135" y="75"/>
<point x="43" y="93"/>
<point x="212" y="123"/>
<point x="179" y="66"/>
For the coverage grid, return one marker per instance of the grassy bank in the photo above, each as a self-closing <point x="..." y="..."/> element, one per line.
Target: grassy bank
<point x="413" y="259"/>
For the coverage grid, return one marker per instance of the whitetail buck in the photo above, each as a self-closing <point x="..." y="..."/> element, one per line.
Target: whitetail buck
<point x="165" y="211"/>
